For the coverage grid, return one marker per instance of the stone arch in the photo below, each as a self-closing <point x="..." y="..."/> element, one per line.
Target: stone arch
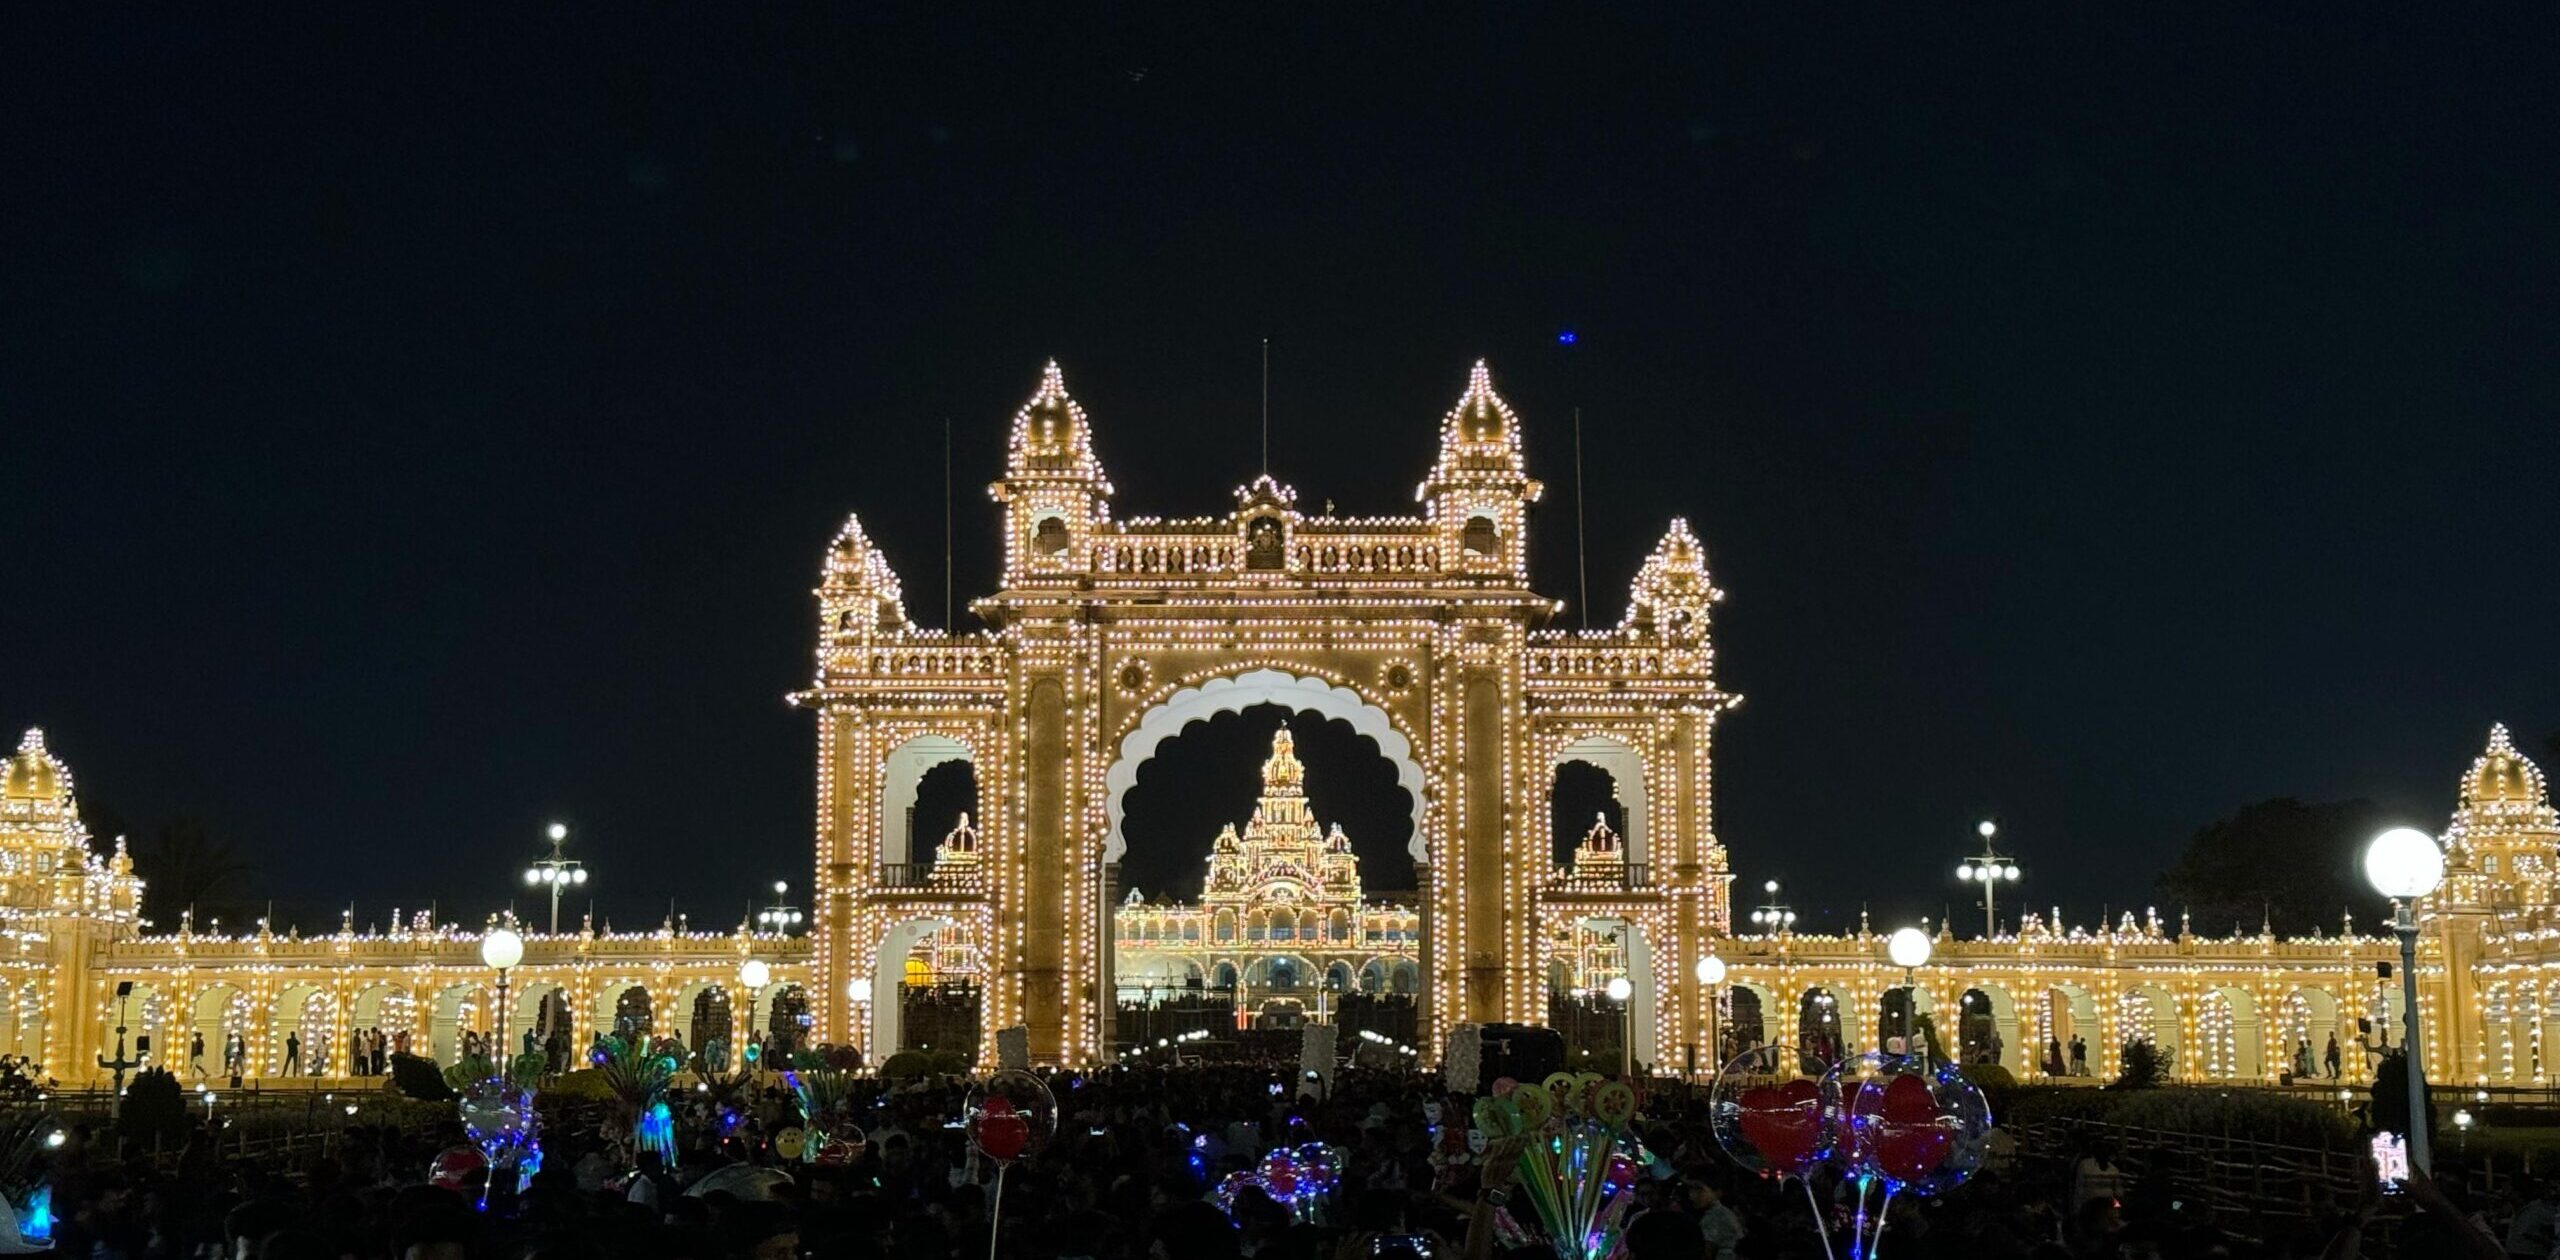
<point x="2146" y="1012"/>
<point x="1821" y="1027"/>
<point x="902" y="772"/>
<point x="1236" y="694"/>
<point x="307" y="1013"/>
<point x="889" y="975"/>
<point x="1624" y="764"/>
<point x="1744" y="1023"/>
<point x="787" y="1017"/>
<point x="1985" y="1026"/>
<point x="147" y="1020"/>
<point x="2228" y="1038"/>
<point x="527" y="1001"/>
<point x="456" y="1009"/>
<point x="626" y="1008"/>
<point x="384" y="1007"/>
<point x="705" y="1012"/>
<point x="221" y="1010"/>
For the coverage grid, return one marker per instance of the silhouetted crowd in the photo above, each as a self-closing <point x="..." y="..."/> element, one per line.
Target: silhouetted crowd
<point x="1129" y="1174"/>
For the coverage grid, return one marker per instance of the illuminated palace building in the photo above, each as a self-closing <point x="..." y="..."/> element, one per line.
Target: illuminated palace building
<point x="1280" y="928"/>
<point x="1420" y="635"/>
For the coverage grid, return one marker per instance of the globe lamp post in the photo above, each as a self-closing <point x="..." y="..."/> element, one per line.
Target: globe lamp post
<point x="2404" y="864"/>
<point x="1623" y="991"/>
<point x="1909" y="949"/>
<point x="555" y="872"/>
<point x="753" y="975"/>
<point x="1711" y="974"/>
<point x="501" y="948"/>
<point x="857" y="992"/>
<point x="1775" y="916"/>
<point x="1990" y="869"/>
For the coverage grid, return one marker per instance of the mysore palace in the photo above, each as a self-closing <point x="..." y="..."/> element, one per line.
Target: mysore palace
<point x="1107" y="636"/>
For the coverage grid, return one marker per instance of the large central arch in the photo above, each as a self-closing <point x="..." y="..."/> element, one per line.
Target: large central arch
<point x="1236" y="694"/>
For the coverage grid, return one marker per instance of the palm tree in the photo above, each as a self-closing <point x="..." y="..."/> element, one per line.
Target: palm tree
<point x="185" y="864"/>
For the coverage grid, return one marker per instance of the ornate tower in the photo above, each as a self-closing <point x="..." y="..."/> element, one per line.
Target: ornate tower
<point x="2496" y="907"/>
<point x="59" y="896"/>
<point x="1479" y="492"/>
<point x="1053" y="491"/>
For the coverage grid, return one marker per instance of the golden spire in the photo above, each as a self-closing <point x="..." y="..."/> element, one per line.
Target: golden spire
<point x="1282" y="775"/>
<point x="2501" y="775"/>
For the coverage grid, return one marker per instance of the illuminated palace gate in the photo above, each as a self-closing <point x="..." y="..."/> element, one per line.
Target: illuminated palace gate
<point x="1108" y="636"/>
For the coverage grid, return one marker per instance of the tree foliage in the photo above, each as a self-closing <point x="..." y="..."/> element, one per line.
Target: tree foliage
<point x="184" y="862"/>
<point x="2283" y="862"/>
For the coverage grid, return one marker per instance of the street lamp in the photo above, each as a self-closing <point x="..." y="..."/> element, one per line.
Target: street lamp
<point x="1989" y="869"/>
<point x="753" y="975"/>
<point x="1711" y="973"/>
<point x="1773" y="915"/>
<point x="857" y="991"/>
<point x="780" y="917"/>
<point x="1909" y="949"/>
<point x="501" y="947"/>
<point x="2404" y="864"/>
<point x="555" y="872"/>
<point x="1623" y="991"/>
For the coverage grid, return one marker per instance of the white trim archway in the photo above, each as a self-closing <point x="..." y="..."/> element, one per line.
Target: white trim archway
<point x="889" y="976"/>
<point x="1625" y="768"/>
<point x="902" y="773"/>
<point x="1231" y="695"/>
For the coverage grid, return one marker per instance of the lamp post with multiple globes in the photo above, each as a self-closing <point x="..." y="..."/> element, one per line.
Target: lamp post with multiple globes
<point x="501" y="948"/>
<point x="1773" y="914"/>
<point x="555" y="872"/>
<point x="780" y="917"/>
<point x="1990" y="869"/>
<point x="2404" y="864"/>
<point x="1909" y="949"/>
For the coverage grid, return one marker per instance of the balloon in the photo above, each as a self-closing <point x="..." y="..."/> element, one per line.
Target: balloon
<point x="1775" y="1126"/>
<point x="497" y="1114"/>
<point x="789" y="1143"/>
<point x="1503" y="1085"/>
<point x="1918" y="1126"/>
<point x="1012" y="1116"/>
<point x="1001" y="1136"/>
<point x="1534" y="1103"/>
<point x="457" y="1168"/>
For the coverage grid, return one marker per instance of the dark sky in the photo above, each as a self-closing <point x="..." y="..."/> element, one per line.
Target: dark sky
<point x="421" y="422"/>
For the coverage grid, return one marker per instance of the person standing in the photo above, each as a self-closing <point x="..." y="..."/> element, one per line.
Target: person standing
<point x="2079" y="1056"/>
<point x="2331" y="1057"/>
<point x="292" y="1054"/>
<point x="195" y="1052"/>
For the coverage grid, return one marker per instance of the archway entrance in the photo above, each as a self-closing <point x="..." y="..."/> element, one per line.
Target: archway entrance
<point x="1263" y="876"/>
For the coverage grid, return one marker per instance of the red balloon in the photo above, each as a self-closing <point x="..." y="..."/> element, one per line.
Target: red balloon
<point x="997" y="1105"/>
<point x="458" y="1168"/>
<point x="1784" y="1123"/>
<point x="1281" y="1184"/>
<point x="1911" y="1137"/>
<point x="1002" y="1135"/>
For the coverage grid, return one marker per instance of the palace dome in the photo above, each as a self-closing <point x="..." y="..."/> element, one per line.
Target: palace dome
<point x="35" y="774"/>
<point x="2501" y="775"/>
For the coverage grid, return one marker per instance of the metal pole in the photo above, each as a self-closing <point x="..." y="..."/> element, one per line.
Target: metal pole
<point x="1715" y="1044"/>
<point x="502" y="1058"/>
<point x="2406" y="920"/>
<point x="1627" y="1038"/>
<point x="1910" y="1004"/>
<point x="555" y="904"/>
<point x="1990" y="917"/>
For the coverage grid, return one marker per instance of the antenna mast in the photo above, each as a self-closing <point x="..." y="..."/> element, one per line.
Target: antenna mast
<point x="1581" y="566"/>
<point x="947" y="627"/>
<point x="1266" y="406"/>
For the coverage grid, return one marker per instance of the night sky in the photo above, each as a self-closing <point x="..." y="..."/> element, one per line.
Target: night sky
<point x="421" y="423"/>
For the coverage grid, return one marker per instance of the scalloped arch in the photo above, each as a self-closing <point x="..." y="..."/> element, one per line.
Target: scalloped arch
<point x="1243" y="691"/>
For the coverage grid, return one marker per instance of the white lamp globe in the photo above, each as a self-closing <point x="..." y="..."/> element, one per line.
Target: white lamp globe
<point x="578" y="876"/>
<point x="501" y="948"/>
<point x="1907" y="947"/>
<point x="858" y="990"/>
<point x="1986" y="829"/>
<point x="1620" y="989"/>
<point x="2403" y="863"/>
<point x="1711" y="970"/>
<point x="533" y="876"/>
<point x="558" y="831"/>
<point x="754" y="974"/>
<point x="1964" y="872"/>
<point x="1770" y="887"/>
<point x="2011" y="872"/>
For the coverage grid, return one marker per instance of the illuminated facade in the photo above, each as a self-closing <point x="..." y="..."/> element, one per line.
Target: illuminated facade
<point x="1107" y="636"/>
<point x="1281" y="923"/>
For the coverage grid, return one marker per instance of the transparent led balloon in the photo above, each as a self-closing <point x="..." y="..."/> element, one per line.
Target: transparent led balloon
<point x="1918" y="1127"/>
<point x="1770" y="1115"/>
<point x="1012" y="1116"/>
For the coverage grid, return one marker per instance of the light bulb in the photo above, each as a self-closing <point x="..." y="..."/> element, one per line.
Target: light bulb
<point x="1964" y="872"/>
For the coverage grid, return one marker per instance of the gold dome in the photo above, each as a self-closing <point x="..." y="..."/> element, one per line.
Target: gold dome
<point x="35" y="774"/>
<point x="2502" y="775"/>
<point x="1283" y="769"/>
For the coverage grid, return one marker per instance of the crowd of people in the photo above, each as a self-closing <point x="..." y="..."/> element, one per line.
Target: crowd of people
<point x="1128" y="1174"/>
